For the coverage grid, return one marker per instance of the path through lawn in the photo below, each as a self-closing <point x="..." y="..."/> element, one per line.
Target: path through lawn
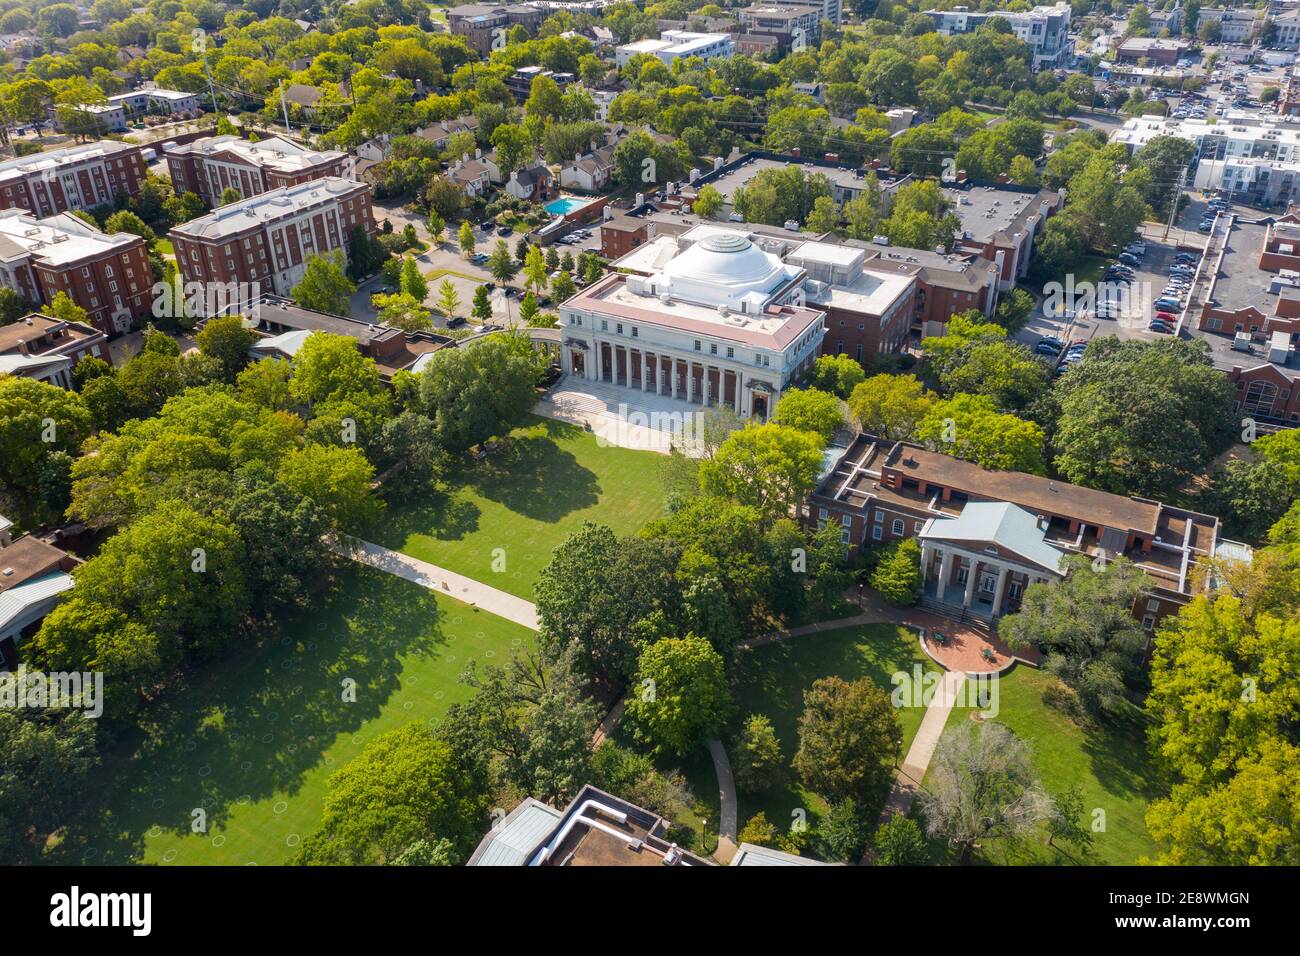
<point x="255" y="743"/>
<point x="525" y="502"/>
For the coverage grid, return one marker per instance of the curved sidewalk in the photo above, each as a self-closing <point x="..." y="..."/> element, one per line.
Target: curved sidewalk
<point x="726" y="801"/>
<point x="446" y="582"/>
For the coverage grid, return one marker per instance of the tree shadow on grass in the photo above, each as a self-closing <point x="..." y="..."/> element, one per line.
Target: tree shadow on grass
<point x="261" y="721"/>
<point x="534" y="477"/>
<point x="443" y="516"/>
<point x="1119" y="759"/>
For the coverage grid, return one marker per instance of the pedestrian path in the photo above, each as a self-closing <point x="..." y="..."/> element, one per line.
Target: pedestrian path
<point x="474" y="593"/>
<point x="907" y="781"/>
<point x="726" y="801"/>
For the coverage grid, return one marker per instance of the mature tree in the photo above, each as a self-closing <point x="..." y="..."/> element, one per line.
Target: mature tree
<point x="708" y="202"/>
<point x="331" y="368"/>
<point x="1142" y="417"/>
<point x="756" y="758"/>
<point x="564" y="287"/>
<point x="482" y="309"/>
<point x="810" y="410"/>
<point x="266" y="383"/>
<point x="535" y="271"/>
<point x="1223" y="696"/>
<point x="844" y="831"/>
<point x="1109" y="206"/>
<point x="837" y="374"/>
<point x="900" y="842"/>
<point x="38" y="421"/>
<point x="971" y="428"/>
<point x="325" y="285"/>
<point x="501" y="263"/>
<point x="448" y="298"/>
<point x="46" y="765"/>
<point x="338" y="480"/>
<point x="177" y="572"/>
<point x="283" y="534"/>
<point x="849" y="739"/>
<point x="1085" y="628"/>
<point x="758" y="831"/>
<point x="898" y="574"/>
<point x="227" y="339"/>
<point x="891" y="406"/>
<point x="1069" y="820"/>
<point x="593" y="596"/>
<point x="406" y="785"/>
<point x="479" y="392"/>
<point x="402" y="311"/>
<point x="680" y="696"/>
<point x="982" y="785"/>
<point x="413" y="282"/>
<point x="465" y="238"/>
<point x="771" y="467"/>
<point x="530" y="723"/>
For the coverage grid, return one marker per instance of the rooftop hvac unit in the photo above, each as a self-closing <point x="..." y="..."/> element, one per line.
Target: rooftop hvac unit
<point x="1241" y="342"/>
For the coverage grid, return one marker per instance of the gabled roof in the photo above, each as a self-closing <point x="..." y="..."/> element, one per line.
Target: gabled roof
<point x="1002" y="524"/>
<point x="513" y="840"/>
<point x="21" y="605"/>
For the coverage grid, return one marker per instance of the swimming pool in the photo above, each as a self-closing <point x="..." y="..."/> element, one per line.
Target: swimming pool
<point x="565" y="205"/>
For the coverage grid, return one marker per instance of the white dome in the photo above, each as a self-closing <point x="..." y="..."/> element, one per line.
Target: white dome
<point x="722" y="269"/>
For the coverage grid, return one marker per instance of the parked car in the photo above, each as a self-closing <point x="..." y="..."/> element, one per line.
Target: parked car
<point x="455" y="320"/>
<point x="1051" y="340"/>
<point x="504" y="231"/>
<point x="1166" y="317"/>
<point x="1164" y="327"/>
<point x="1166" y="304"/>
<point x="1046" y="348"/>
<point x="1129" y="259"/>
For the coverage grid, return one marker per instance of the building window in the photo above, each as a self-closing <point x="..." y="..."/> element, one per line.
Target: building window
<point x="713" y="348"/>
<point x="846" y="520"/>
<point x="619" y="329"/>
<point x="898" y="526"/>
<point x="823" y="513"/>
<point x="879" y="517"/>
<point x="1153" y="605"/>
<point x="697" y="345"/>
<point x="634" y="332"/>
<point x="877" y="532"/>
<point x="916" y="526"/>
<point x="731" y="352"/>
<point x="1148" y="622"/>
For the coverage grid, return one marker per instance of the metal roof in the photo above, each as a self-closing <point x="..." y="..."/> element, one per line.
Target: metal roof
<point x="20" y="599"/>
<point x="513" y="841"/>
<point x="750" y="855"/>
<point x="1006" y="525"/>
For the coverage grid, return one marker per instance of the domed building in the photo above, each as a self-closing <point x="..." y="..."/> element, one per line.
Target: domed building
<point x="715" y="319"/>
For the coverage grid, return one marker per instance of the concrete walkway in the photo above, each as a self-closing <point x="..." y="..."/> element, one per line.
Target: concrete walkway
<point x="445" y="582"/>
<point x="726" y="800"/>
<point x="909" y="776"/>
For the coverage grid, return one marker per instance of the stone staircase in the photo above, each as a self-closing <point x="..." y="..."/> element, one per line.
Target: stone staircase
<point x="958" y="615"/>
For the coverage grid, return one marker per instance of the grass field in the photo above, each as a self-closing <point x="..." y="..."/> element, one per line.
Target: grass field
<point x="1110" y="765"/>
<point x="525" y="501"/>
<point x="254" y="744"/>
<point x="772" y="680"/>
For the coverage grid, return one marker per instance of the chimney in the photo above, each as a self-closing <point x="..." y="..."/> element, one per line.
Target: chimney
<point x="961" y="175"/>
<point x="22" y="347"/>
<point x="478" y="154"/>
<point x="795" y="152"/>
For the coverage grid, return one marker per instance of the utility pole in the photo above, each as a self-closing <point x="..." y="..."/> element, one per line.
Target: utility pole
<point x="284" y="106"/>
<point x="211" y="89"/>
<point x="1173" y="206"/>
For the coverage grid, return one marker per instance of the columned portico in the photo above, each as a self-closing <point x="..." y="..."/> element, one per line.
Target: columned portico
<point x="982" y="559"/>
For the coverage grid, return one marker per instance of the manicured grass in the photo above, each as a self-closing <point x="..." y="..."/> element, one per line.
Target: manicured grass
<point x="165" y="247"/>
<point x="525" y="501"/>
<point x="771" y="680"/>
<point x="434" y="275"/>
<point x="1109" y="763"/>
<point x="255" y="741"/>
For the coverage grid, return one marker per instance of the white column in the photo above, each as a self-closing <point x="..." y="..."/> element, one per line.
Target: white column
<point x="593" y="361"/>
<point x="706" y="386"/>
<point x="927" y="555"/>
<point x="945" y="570"/>
<point x="645" y="371"/>
<point x="672" y="375"/>
<point x="970" y="583"/>
<point x="627" y="364"/>
<point x="1002" y="583"/>
<point x="740" y="379"/>
<point x="690" y="381"/>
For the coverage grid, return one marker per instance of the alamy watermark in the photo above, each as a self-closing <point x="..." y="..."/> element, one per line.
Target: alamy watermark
<point x="38" y="690"/>
<point x="650" y="431"/>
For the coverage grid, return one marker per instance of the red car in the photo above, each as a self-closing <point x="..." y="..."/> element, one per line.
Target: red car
<point x="1167" y="317"/>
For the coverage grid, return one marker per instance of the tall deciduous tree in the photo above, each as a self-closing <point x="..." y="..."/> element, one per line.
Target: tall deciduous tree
<point x="849" y="739"/>
<point x="771" y="467"/>
<point x="680" y="695"/>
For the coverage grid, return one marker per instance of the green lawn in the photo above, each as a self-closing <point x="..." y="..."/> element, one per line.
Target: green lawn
<point x="165" y="247"/>
<point x="255" y="742"/>
<point x="525" y="501"/>
<point x="772" y="679"/>
<point x="1109" y="763"/>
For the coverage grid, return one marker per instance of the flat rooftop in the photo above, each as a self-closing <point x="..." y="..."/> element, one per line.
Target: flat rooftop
<point x="267" y="207"/>
<point x="845" y="178"/>
<point x="29" y="558"/>
<point x="274" y="152"/>
<point x="985" y="212"/>
<point x="58" y="240"/>
<point x="52" y="159"/>
<point x="870" y="292"/>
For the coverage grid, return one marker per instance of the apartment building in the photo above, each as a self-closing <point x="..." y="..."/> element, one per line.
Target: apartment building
<point x="678" y="44"/>
<point x="106" y="274"/>
<point x="265" y="241"/>
<point x="785" y="23"/>
<point x="483" y="25"/>
<point x="75" y="177"/>
<point x="1236" y="25"/>
<point x="1045" y="29"/>
<point x="1000" y="223"/>
<point x="214" y="164"/>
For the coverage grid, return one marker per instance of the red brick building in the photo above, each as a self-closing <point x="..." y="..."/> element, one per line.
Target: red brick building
<point x="945" y="284"/>
<point x="267" y="239"/>
<point x="76" y="177"/>
<point x="210" y="166"/>
<point x="48" y="349"/>
<point x="987" y="535"/>
<point x="108" y="275"/>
